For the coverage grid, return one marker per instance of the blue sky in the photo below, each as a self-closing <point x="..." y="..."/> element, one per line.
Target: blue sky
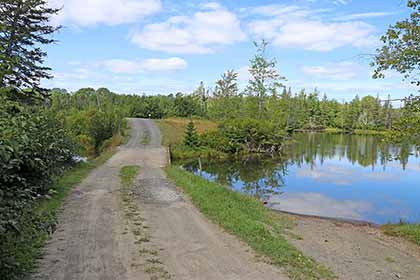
<point x="152" y="46"/>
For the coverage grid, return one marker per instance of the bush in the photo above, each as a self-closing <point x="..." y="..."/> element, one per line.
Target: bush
<point x="34" y="147"/>
<point x="245" y="135"/>
<point x="93" y="127"/>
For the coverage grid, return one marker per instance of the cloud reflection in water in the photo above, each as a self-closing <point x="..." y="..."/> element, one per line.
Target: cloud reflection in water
<point x="319" y="205"/>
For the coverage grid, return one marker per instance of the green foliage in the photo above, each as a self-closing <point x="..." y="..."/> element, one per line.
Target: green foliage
<point x="226" y="101"/>
<point x="246" y="218"/>
<point x="245" y="135"/>
<point x="184" y="106"/>
<point x="191" y="137"/>
<point x="38" y="140"/>
<point x="24" y="27"/>
<point x="18" y="252"/>
<point x="200" y="97"/>
<point x="34" y="147"/>
<point x="400" y="51"/>
<point x="92" y="117"/>
<point x="407" y="129"/>
<point x="265" y="78"/>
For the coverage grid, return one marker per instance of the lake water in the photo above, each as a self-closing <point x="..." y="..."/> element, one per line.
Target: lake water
<point x="333" y="175"/>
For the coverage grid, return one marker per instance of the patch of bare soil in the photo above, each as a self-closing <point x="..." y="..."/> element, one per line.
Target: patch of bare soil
<point x="356" y="251"/>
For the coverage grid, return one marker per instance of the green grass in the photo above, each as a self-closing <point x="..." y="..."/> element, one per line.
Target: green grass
<point x="173" y="129"/>
<point x="154" y="266"/>
<point x="246" y="218"/>
<point x="42" y="221"/>
<point x="125" y="132"/>
<point x="128" y="174"/>
<point x="145" y="140"/>
<point x="410" y="232"/>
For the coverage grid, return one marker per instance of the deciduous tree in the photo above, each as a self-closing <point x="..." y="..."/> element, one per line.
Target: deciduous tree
<point x="265" y="78"/>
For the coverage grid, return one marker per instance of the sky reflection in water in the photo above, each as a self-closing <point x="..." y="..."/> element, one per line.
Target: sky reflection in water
<point x="333" y="175"/>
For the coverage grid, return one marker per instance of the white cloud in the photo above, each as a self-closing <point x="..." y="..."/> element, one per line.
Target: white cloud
<point x="341" y="2"/>
<point x="121" y="66"/>
<point x="334" y="71"/>
<point x="212" y="5"/>
<point x="202" y="32"/>
<point x="291" y="26"/>
<point x="279" y="10"/>
<point x="364" y="15"/>
<point x="169" y="64"/>
<point x="109" y="12"/>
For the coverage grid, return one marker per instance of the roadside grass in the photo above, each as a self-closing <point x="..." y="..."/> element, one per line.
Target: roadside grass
<point x="246" y="218"/>
<point x="39" y="223"/>
<point x="125" y="133"/>
<point x="410" y="232"/>
<point x="173" y="129"/>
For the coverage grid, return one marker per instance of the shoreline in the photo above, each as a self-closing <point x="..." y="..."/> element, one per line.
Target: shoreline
<point x="354" y="222"/>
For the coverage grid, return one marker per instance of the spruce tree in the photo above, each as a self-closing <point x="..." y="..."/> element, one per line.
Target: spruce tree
<point x="191" y="136"/>
<point x="24" y="28"/>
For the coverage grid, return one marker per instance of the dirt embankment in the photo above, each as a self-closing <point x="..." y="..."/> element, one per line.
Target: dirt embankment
<point x="356" y="251"/>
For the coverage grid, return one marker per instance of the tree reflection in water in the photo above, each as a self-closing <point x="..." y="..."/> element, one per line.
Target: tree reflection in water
<point x="263" y="177"/>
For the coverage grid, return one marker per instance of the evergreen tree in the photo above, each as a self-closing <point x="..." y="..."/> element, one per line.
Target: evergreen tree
<point x="191" y="136"/>
<point x="24" y="27"/>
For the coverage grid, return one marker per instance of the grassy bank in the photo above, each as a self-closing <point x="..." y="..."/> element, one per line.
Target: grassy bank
<point x="21" y="251"/>
<point x="410" y="232"/>
<point x="246" y="218"/>
<point x="173" y="129"/>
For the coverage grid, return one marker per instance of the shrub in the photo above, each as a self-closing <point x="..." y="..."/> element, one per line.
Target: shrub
<point x="93" y="127"/>
<point x="245" y="135"/>
<point x="34" y="147"/>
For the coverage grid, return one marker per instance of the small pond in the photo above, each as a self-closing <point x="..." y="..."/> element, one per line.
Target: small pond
<point x="331" y="175"/>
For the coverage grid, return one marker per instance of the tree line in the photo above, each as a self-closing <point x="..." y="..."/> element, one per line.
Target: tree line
<point x="42" y="131"/>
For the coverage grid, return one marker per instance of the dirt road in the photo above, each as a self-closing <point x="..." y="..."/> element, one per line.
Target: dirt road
<point x="158" y="235"/>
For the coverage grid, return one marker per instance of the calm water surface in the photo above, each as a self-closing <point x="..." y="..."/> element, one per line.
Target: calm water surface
<point x="333" y="175"/>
